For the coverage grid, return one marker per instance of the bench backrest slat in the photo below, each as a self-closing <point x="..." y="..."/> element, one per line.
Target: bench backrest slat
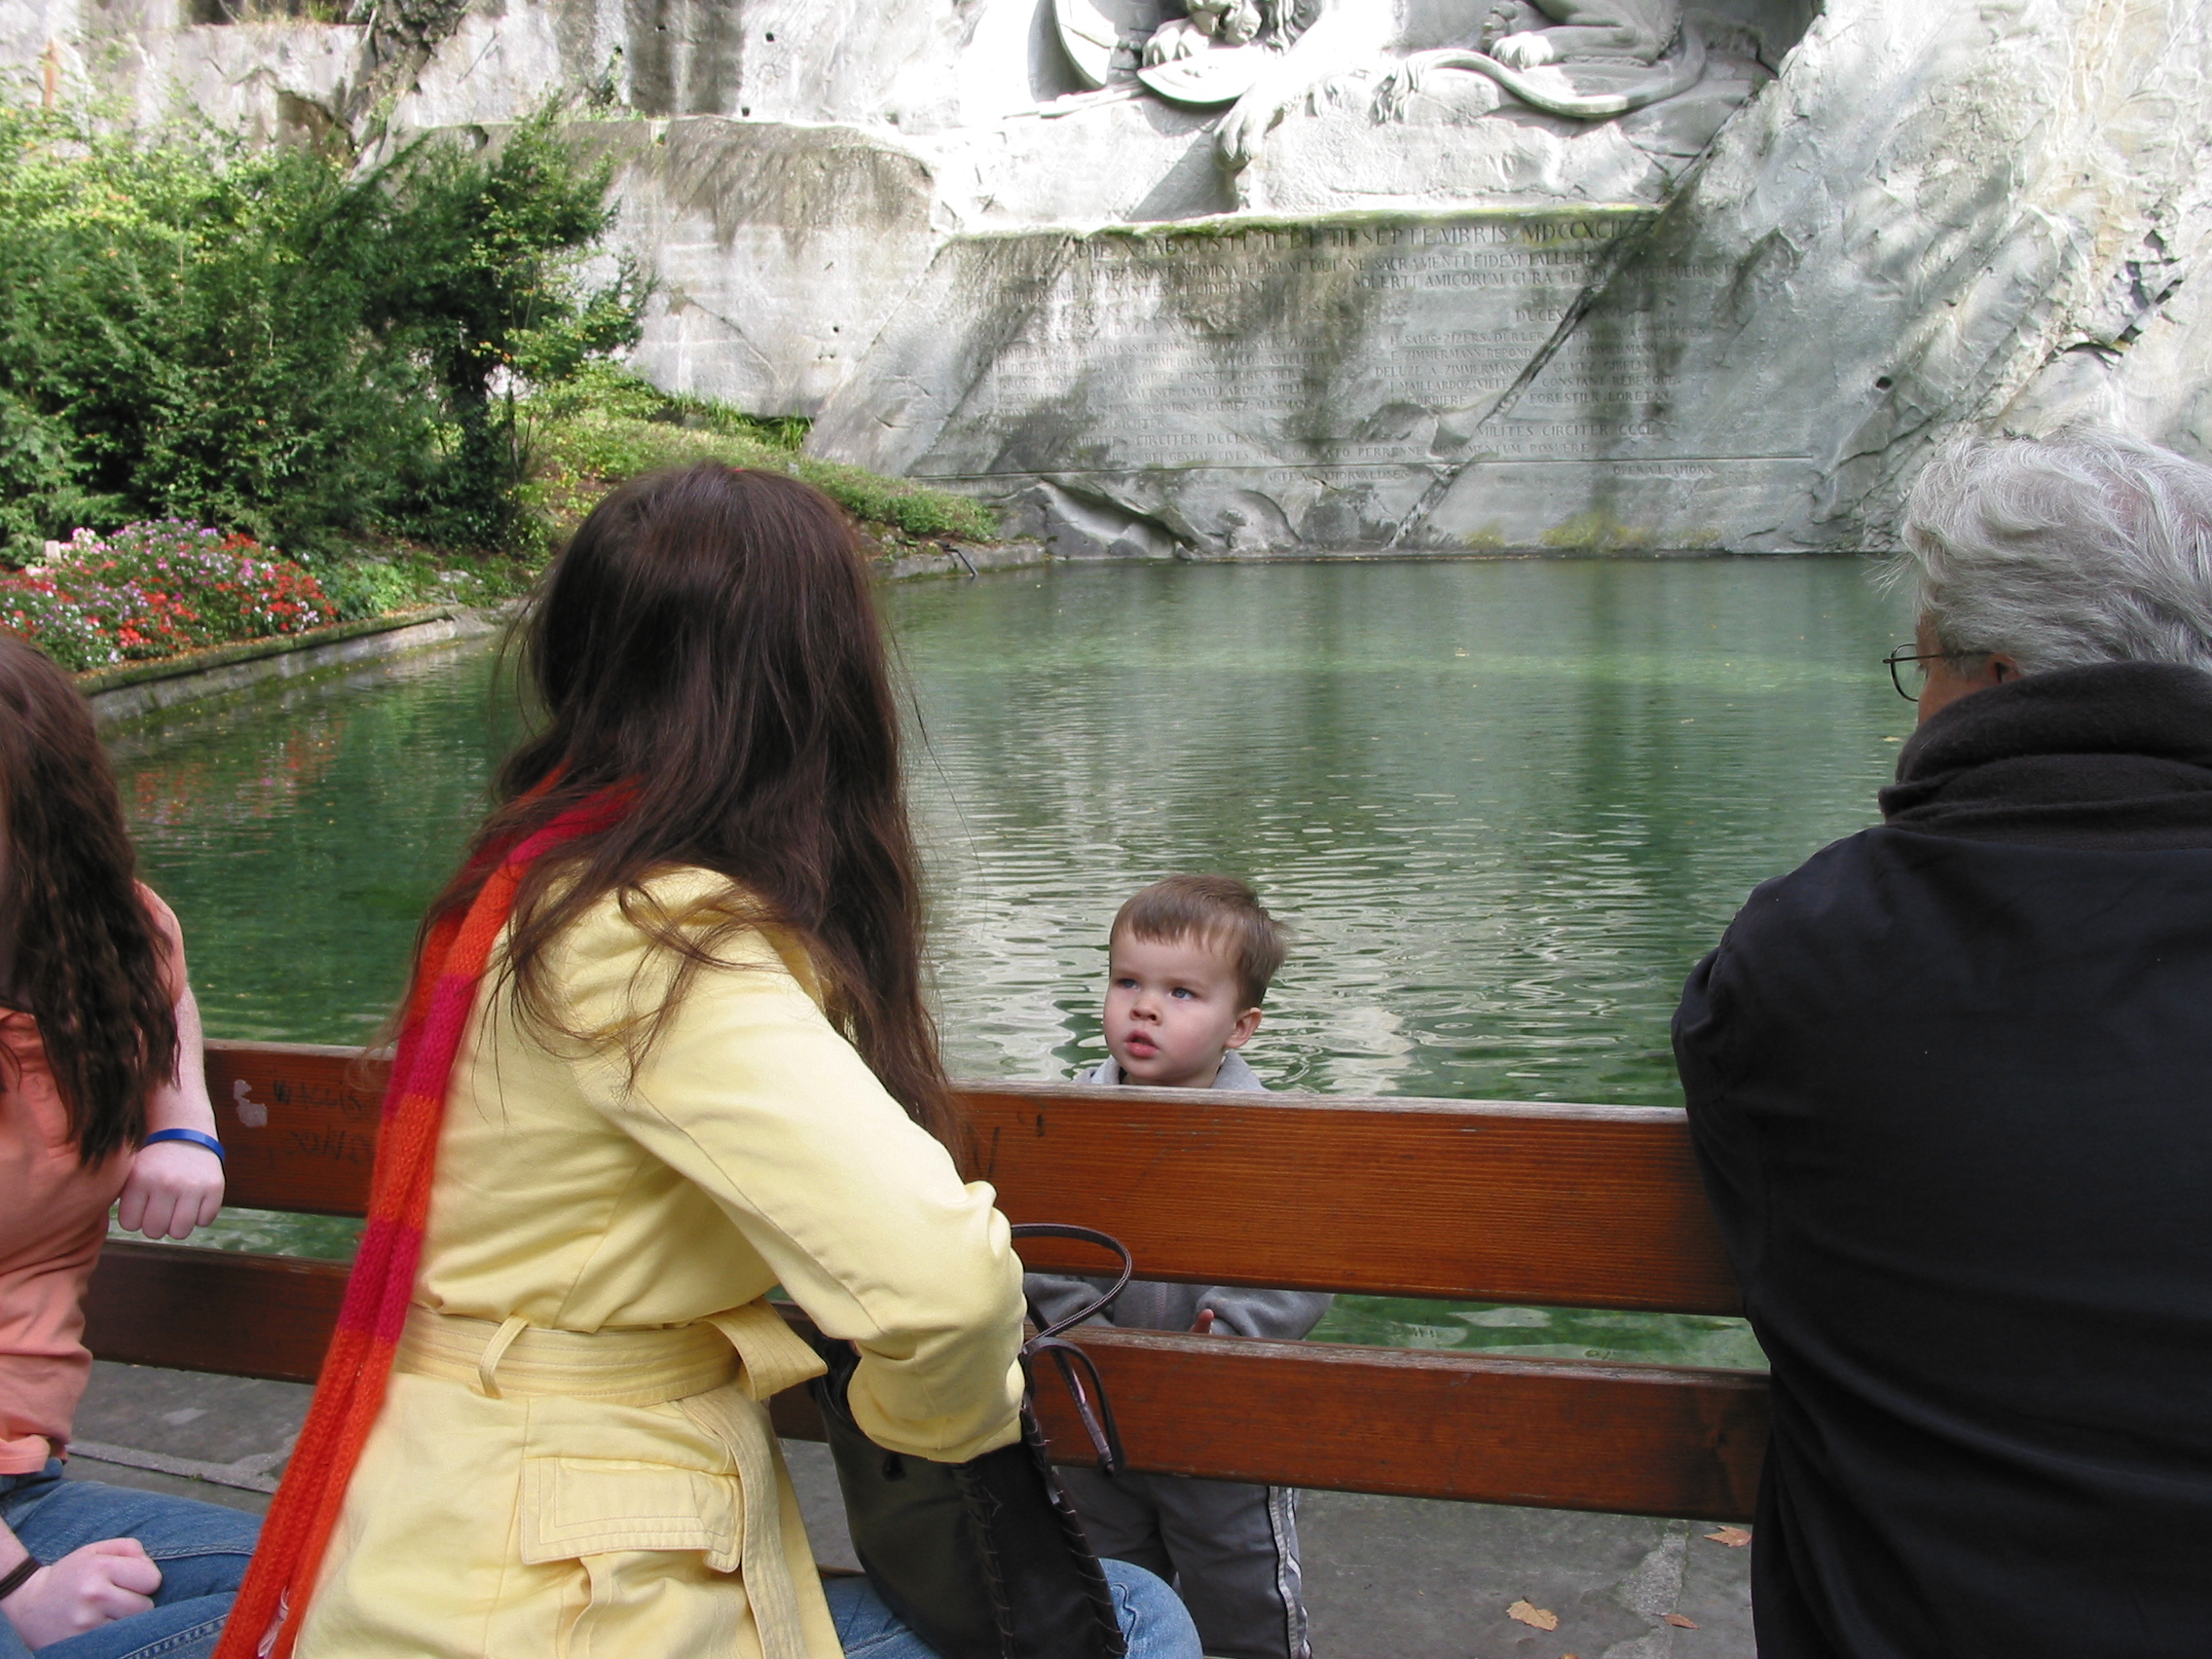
<point x="1564" y="1205"/>
<point x="298" y="1123"/>
<point x="1586" y="1206"/>
<point x="1652" y="1440"/>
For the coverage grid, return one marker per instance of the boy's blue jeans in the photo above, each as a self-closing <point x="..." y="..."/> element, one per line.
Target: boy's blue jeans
<point x="201" y="1550"/>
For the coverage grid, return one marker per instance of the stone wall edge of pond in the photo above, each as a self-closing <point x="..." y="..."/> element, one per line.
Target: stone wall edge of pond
<point x="965" y="558"/>
<point x="143" y="688"/>
<point x="133" y="689"/>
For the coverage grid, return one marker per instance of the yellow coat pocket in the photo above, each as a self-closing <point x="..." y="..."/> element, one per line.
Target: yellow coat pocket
<point x="574" y="1507"/>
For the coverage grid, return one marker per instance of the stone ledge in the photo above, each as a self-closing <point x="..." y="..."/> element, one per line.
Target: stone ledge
<point x="965" y="558"/>
<point x="138" y="688"/>
<point x="93" y="681"/>
<point x="251" y="1474"/>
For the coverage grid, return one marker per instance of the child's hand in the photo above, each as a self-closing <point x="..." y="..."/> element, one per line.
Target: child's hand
<point x="174" y="1186"/>
<point x="1202" y="1325"/>
<point x="84" y="1590"/>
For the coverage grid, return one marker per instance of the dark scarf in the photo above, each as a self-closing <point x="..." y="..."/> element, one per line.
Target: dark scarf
<point x="2114" y="757"/>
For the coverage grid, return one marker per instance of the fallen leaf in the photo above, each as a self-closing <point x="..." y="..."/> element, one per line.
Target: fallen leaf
<point x="1735" y="1537"/>
<point x="1528" y="1614"/>
<point x="1681" y="1623"/>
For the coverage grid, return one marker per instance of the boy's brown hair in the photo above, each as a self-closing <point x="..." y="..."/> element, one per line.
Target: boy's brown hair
<point x="1217" y="911"/>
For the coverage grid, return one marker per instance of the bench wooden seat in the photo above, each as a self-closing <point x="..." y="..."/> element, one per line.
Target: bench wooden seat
<point x="1470" y="1200"/>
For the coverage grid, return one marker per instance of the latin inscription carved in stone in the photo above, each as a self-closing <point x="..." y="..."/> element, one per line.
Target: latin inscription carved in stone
<point x="1328" y="346"/>
<point x="1398" y="381"/>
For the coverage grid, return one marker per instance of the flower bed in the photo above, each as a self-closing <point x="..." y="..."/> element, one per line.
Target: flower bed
<point x="156" y="589"/>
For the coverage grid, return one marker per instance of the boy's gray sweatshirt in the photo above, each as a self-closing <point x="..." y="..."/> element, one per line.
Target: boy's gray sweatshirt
<point x="1148" y="1305"/>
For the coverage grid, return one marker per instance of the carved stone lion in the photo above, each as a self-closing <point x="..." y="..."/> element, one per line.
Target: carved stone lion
<point x="1504" y="40"/>
<point x="1516" y="35"/>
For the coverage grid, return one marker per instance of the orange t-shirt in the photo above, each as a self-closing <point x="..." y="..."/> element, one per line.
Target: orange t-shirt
<point x="53" y="1217"/>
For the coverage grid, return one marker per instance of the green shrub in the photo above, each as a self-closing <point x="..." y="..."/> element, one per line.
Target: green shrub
<point x="476" y="275"/>
<point x="365" y="582"/>
<point x="318" y="356"/>
<point x="362" y="588"/>
<point x="598" y="392"/>
<point x="172" y="341"/>
<point x="265" y="338"/>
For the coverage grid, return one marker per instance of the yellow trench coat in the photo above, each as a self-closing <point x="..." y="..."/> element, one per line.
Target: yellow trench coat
<point x="752" y="1149"/>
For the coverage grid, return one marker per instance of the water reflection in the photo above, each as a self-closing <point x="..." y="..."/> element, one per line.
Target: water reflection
<point x="298" y="833"/>
<point x="1503" y="805"/>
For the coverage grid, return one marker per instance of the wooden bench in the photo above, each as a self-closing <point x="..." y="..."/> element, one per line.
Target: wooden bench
<point x="1589" y="1207"/>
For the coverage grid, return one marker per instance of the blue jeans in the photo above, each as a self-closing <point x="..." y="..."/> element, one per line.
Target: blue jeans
<point x="200" y="1549"/>
<point x="1152" y="1618"/>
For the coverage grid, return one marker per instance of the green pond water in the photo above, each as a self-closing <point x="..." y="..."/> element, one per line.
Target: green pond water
<point x="1504" y="806"/>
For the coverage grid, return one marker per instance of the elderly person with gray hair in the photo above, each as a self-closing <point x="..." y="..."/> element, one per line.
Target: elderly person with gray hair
<point x="1952" y="1087"/>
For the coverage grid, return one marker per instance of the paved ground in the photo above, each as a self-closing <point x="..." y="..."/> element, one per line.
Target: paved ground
<point x="1385" y="1577"/>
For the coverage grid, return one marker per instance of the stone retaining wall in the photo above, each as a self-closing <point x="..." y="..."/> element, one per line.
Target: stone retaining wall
<point x="142" y="688"/>
<point x="145" y="688"/>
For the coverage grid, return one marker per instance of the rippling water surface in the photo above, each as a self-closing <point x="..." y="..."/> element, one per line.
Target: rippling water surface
<point x="1503" y="805"/>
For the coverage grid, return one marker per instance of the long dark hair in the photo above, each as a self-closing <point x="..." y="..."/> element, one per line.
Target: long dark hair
<point x="708" y="643"/>
<point x="83" y="956"/>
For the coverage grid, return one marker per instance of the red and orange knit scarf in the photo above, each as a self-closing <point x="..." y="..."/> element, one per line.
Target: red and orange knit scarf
<point x="267" y="1616"/>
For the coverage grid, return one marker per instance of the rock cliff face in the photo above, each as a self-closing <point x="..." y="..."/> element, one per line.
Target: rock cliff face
<point x="1420" y="314"/>
<point x="1943" y="218"/>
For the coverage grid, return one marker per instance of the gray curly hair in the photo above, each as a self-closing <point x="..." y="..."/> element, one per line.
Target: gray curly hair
<point x="2086" y="547"/>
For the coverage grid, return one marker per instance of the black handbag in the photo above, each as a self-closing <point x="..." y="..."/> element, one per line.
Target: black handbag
<point x="986" y="1559"/>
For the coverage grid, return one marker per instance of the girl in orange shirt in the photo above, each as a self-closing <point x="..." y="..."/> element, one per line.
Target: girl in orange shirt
<point x="102" y="1099"/>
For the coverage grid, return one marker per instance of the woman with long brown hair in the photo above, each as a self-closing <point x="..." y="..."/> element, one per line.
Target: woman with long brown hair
<point x="666" y="1049"/>
<point x="104" y="1103"/>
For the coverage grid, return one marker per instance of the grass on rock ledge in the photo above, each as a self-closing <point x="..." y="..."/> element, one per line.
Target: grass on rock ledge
<point x="602" y="426"/>
<point x="605" y="424"/>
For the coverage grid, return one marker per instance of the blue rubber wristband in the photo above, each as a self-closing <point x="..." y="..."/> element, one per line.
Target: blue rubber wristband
<point x="193" y="1135"/>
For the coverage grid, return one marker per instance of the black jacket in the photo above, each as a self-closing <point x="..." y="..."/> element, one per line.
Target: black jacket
<point x="1951" y="1088"/>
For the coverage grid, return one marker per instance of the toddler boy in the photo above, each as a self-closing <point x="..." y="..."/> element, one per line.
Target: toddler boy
<point x="1190" y="959"/>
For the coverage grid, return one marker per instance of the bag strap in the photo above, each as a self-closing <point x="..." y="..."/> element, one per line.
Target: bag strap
<point x="1081" y="1236"/>
<point x="1092" y="1407"/>
<point x="1077" y="1369"/>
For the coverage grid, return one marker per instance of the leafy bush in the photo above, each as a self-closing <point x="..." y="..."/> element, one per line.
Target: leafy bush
<point x="477" y="272"/>
<point x="362" y="588"/>
<point x="604" y="425"/>
<point x="266" y="339"/>
<point x="364" y="585"/>
<point x="156" y="589"/>
<point x="170" y="342"/>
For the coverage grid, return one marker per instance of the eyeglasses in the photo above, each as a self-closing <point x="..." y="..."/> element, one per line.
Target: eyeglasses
<point x="1909" y="668"/>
